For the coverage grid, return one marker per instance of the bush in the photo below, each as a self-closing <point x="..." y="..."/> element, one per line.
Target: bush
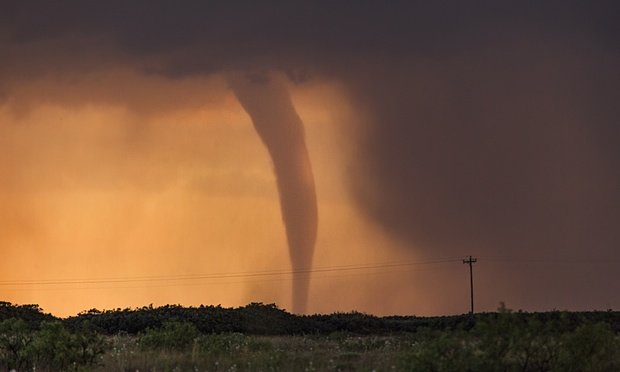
<point x="171" y="335"/>
<point x="510" y="341"/>
<point x="592" y="347"/>
<point x="89" y="345"/>
<point x="53" y="348"/>
<point x="15" y="339"/>
<point x="441" y="351"/>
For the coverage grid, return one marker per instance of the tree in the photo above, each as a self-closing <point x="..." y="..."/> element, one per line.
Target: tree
<point x="15" y="339"/>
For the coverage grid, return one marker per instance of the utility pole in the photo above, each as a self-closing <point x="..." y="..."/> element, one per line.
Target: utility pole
<point x="470" y="261"/>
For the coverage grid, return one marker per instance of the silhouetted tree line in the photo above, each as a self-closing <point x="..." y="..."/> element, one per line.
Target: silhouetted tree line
<point x="257" y="319"/>
<point x="32" y="315"/>
<point x="268" y="319"/>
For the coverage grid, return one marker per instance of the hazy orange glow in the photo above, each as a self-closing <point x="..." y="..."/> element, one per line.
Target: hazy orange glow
<point x="433" y="132"/>
<point x="176" y="184"/>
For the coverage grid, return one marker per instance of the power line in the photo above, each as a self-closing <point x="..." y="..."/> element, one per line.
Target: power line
<point x="219" y="282"/>
<point x="519" y="260"/>
<point x="350" y="267"/>
<point x="180" y="277"/>
<point x="275" y="275"/>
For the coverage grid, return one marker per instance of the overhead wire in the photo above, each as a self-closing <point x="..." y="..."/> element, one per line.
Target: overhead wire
<point x="270" y="275"/>
<point x="227" y="282"/>
<point x="251" y="274"/>
<point x="546" y="260"/>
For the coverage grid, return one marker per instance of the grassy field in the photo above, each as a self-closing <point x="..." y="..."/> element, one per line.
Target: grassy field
<point x="236" y="352"/>
<point x="174" y="338"/>
<point x="589" y="348"/>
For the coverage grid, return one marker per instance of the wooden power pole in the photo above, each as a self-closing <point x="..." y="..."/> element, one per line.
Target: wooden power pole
<point x="470" y="261"/>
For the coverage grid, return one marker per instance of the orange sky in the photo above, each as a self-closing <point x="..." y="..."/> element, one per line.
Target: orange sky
<point x="125" y="175"/>
<point x="434" y="130"/>
<point x="155" y="186"/>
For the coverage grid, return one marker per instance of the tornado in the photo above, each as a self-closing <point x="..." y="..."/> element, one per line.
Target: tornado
<point x="266" y="99"/>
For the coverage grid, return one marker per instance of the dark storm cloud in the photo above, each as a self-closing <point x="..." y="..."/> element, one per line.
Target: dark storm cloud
<point x="213" y="35"/>
<point x="488" y="126"/>
<point x="477" y="153"/>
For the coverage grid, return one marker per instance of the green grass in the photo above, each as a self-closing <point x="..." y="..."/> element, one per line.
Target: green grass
<point x="504" y="344"/>
<point x="264" y="338"/>
<point x="237" y="352"/>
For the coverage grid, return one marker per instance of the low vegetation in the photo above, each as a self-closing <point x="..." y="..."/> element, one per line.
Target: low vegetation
<point x="49" y="347"/>
<point x="261" y="337"/>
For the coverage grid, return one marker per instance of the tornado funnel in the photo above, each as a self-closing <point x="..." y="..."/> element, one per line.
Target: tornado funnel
<point x="267" y="101"/>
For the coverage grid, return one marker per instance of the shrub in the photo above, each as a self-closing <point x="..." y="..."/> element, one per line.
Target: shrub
<point x="15" y="339"/>
<point x="441" y="351"/>
<point x="89" y="345"/>
<point x="591" y="347"/>
<point x="52" y="348"/>
<point x="171" y="335"/>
